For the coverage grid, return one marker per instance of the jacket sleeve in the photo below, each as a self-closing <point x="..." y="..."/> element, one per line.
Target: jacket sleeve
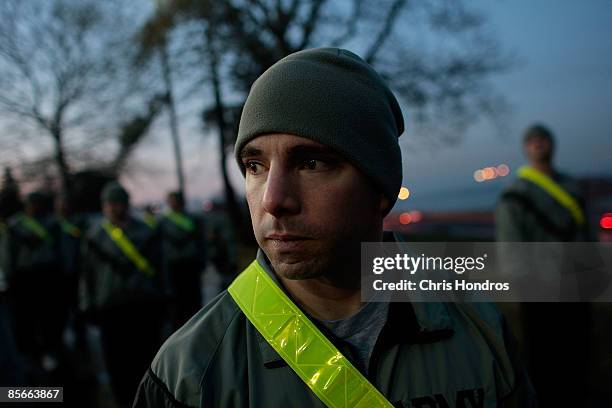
<point x="155" y="254"/>
<point x="153" y="393"/>
<point x="7" y="254"/>
<point x="86" y="284"/>
<point x="523" y="394"/>
<point x="508" y="222"/>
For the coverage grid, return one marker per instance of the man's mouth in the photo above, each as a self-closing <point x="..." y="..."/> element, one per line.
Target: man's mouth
<point x="284" y="236"/>
<point x="286" y="241"/>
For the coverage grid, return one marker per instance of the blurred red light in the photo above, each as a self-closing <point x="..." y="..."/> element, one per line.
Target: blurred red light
<point x="405" y="218"/>
<point x="606" y="221"/>
<point x="503" y="170"/>
<point x="416" y="216"/>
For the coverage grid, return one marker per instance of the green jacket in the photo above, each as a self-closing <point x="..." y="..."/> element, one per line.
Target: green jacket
<point x="526" y="213"/>
<point x="109" y="278"/>
<point x="181" y="245"/>
<point x="24" y="251"/>
<point x="427" y="355"/>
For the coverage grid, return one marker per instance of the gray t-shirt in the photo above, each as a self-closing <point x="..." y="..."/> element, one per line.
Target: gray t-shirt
<point x="361" y="331"/>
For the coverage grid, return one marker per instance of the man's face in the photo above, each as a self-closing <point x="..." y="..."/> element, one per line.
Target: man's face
<point x="175" y="204"/>
<point x="115" y="211"/>
<point x="34" y="208"/>
<point x="310" y="208"/>
<point x="538" y="149"/>
<point x="62" y="207"/>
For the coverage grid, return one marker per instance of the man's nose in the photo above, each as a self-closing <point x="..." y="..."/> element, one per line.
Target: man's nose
<point x="281" y="195"/>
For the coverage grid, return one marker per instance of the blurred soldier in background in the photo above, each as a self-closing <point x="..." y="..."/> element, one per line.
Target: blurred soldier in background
<point x="185" y="256"/>
<point x="11" y="365"/>
<point x="544" y="205"/>
<point x="121" y="290"/>
<point x="222" y="248"/>
<point x="33" y="273"/>
<point x="70" y="249"/>
<point x="149" y="216"/>
<point x="11" y="368"/>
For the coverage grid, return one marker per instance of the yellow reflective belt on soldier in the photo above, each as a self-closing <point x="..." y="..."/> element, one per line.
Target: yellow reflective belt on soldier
<point x="36" y="227"/>
<point x="181" y="221"/>
<point x="554" y="190"/>
<point x="129" y="250"/>
<point x="69" y="228"/>
<point x="328" y="373"/>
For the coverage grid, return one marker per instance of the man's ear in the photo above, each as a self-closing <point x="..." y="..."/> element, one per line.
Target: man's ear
<point x="383" y="204"/>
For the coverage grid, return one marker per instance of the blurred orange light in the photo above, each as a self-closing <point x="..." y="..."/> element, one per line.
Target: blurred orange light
<point x="404" y="193"/>
<point x="416" y="216"/>
<point x="606" y="221"/>
<point x="478" y="176"/>
<point x="503" y="170"/>
<point x="405" y="218"/>
<point x="489" y="173"/>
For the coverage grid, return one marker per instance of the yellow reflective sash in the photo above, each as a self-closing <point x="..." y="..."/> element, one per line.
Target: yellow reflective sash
<point x="150" y="220"/>
<point x="554" y="190"/>
<point x="299" y="342"/>
<point x="129" y="250"/>
<point x="69" y="228"/>
<point x="181" y="221"/>
<point x="36" y="227"/>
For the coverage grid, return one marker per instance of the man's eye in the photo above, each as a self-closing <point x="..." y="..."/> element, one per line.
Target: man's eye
<point x="252" y="167"/>
<point x="312" y="164"/>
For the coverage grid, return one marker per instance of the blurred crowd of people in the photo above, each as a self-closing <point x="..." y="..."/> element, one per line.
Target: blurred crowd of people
<point x="135" y="278"/>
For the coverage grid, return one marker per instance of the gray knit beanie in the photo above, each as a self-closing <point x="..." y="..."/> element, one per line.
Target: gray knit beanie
<point x="333" y="97"/>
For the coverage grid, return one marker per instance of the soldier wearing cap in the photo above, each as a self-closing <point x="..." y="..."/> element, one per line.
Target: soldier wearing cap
<point x="545" y="205"/>
<point x="529" y="210"/>
<point x="184" y="255"/>
<point x="71" y="230"/>
<point x="33" y="272"/>
<point x="318" y="143"/>
<point x="121" y="289"/>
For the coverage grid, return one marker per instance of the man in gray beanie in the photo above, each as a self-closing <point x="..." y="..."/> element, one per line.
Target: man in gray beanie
<point x="318" y="144"/>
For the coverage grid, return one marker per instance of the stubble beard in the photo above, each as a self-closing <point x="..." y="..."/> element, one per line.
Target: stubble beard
<point x="311" y="268"/>
<point x="339" y="266"/>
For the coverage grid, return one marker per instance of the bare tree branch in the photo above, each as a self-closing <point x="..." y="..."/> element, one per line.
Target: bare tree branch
<point x="62" y="69"/>
<point x="387" y="29"/>
<point x="310" y="24"/>
<point x="351" y="25"/>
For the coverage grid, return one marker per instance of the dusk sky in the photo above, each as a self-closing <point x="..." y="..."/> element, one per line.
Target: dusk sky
<point x="562" y="77"/>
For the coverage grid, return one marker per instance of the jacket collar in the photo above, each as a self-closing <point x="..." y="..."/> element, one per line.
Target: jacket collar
<point x="407" y="323"/>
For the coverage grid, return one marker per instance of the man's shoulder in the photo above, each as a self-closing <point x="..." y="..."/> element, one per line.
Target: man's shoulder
<point x="182" y="361"/>
<point x="94" y="228"/>
<point x="517" y="186"/>
<point x="138" y="227"/>
<point x="483" y="313"/>
<point x="14" y="221"/>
